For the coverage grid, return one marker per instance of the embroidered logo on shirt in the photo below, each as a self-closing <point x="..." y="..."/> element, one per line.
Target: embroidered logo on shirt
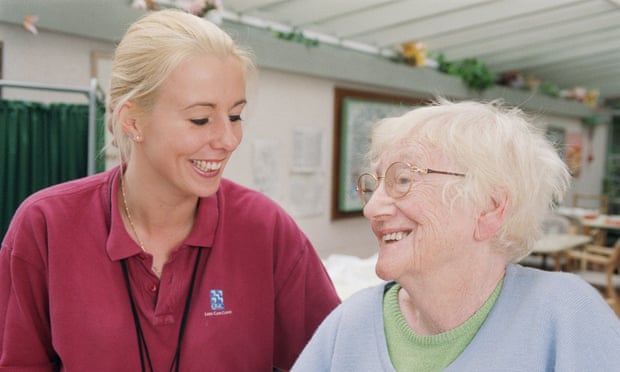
<point x="217" y="304"/>
<point x="217" y="299"/>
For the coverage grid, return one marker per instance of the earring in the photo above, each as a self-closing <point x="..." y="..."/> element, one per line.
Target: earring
<point x="135" y="137"/>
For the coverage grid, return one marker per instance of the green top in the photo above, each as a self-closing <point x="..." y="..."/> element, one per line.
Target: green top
<point x="412" y="352"/>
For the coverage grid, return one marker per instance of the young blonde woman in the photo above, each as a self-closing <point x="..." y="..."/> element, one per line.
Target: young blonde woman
<point x="161" y="264"/>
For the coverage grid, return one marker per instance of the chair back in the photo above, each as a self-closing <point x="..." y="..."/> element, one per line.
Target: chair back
<point x="614" y="260"/>
<point x="599" y="202"/>
<point x="599" y="266"/>
<point x="612" y="279"/>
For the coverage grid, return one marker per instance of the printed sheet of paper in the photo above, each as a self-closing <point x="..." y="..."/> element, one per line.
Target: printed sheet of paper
<point x="307" y="149"/>
<point x="266" y="159"/>
<point x="306" y="194"/>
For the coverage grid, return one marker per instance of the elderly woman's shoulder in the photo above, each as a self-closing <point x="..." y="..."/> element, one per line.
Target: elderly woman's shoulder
<point x="560" y="299"/>
<point x="548" y="283"/>
<point x="366" y="298"/>
<point x="361" y="308"/>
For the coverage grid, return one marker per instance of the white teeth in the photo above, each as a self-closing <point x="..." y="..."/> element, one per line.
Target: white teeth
<point x="207" y="166"/>
<point x="395" y="236"/>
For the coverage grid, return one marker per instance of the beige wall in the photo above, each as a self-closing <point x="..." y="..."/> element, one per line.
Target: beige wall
<point x="49" y="58"/>
<point x="282" y="103"/>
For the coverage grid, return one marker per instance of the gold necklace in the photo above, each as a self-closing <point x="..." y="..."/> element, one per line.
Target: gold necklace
<point x="155" y="269"/>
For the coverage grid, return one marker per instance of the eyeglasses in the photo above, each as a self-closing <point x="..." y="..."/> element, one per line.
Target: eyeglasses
<point x="399" y="177"/>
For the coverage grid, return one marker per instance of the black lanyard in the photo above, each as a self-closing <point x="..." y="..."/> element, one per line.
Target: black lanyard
<point x="144" y="350"/>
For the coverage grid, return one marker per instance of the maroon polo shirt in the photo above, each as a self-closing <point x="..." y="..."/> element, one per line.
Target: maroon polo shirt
<point x="260" y="289"/>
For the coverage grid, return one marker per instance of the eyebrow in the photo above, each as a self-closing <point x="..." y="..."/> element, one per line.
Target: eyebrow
<point x="213" y="105"/>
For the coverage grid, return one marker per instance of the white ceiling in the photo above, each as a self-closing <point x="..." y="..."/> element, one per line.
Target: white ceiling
<point x="567" y="42"/>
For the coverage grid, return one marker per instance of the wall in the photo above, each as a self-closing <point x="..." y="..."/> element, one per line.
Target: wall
<point x="287" y="98"/>
<point x="283" y="103"/>
<point x="50" y="58"/>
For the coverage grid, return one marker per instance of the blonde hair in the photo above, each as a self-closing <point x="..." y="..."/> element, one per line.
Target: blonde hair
<point x="151" y="49"/>
<point x="499" y="150"/>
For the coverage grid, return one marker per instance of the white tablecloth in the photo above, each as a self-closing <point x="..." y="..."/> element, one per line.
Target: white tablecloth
<point x="351" y="273"/>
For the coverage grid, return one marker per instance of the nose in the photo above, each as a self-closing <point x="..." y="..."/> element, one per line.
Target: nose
<point x="226" y="134"/>
<point x="380" y="203"/>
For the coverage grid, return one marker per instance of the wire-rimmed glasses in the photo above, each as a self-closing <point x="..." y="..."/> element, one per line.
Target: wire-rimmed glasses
<point x="398" y="179"/>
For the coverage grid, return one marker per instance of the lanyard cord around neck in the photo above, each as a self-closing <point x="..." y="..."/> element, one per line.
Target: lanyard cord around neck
<point x="142" y="346"/>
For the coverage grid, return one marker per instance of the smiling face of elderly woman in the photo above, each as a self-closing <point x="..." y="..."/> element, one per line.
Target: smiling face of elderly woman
<point x="512" y="176"/>
<point x="421" y="231"/>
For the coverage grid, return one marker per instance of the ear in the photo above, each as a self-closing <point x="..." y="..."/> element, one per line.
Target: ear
<point x="491" y="217"/>
<point x="128" y="121"/>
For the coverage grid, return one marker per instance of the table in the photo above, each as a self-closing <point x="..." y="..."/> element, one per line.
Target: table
<point x="577" y="213"/>
<point x="555" y="244"/>
<point x="603" y="221"/>
<point x="590" y="220"/>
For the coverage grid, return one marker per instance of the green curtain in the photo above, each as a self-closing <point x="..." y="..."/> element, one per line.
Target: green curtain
<point x="41" y="145"/>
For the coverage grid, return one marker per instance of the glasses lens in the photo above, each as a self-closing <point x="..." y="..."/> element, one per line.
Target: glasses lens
<point x="366" y="185"/>
<point x="398" y="180"/>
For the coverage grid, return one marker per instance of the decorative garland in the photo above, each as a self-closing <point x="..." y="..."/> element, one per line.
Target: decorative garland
<point x="474" y="73"/>
<point x="297" y="36"/>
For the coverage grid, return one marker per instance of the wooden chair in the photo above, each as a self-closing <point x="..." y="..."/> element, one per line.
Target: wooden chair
<point x="598" y="265"/>
<point x="598" y="203"/>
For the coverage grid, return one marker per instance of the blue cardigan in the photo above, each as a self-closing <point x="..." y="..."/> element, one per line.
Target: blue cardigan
<point x="542" y="321"/>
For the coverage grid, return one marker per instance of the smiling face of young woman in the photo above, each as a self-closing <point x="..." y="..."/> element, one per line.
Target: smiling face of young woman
<point x="193" y="127"/>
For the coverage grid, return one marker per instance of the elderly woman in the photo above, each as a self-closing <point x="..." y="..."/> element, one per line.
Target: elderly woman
<point x="456" y="196"/>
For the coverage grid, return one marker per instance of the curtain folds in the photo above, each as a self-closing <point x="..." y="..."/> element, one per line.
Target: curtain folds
<point x="41" y="145"/>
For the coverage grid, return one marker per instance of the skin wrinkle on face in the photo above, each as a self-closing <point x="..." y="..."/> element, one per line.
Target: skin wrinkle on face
<point x="435" y="240"/>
